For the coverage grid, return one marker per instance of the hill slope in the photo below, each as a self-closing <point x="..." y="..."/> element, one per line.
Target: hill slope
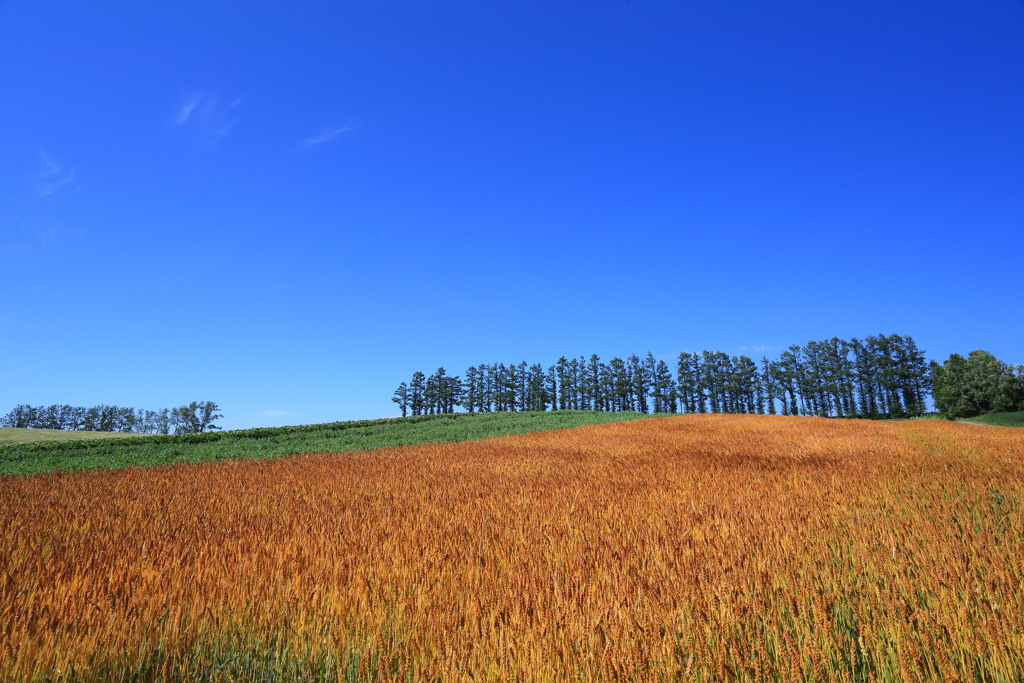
<point x="278" y="441"/>
<point x="703" y="548"/>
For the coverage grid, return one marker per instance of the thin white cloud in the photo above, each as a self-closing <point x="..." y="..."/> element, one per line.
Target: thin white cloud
<point x="186" y="110"/>
<point x="757" y="348"/>
<point x="206" y="114"/>
<point x="275" y="413"/>
<point x="54" y="176"/>
<point x="331" y="133"/>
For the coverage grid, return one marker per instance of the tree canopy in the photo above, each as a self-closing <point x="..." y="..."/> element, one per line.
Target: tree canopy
<point x="976" y="385"/>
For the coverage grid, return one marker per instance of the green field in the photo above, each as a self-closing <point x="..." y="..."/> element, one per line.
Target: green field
<point x="94" y="453"/>
<point x="1000" y="419"/>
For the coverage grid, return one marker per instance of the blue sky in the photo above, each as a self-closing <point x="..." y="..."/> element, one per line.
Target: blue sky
<point x="289" y="207"/>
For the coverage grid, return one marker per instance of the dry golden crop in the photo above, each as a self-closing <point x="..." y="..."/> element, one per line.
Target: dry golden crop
<point x="690" y="548"/>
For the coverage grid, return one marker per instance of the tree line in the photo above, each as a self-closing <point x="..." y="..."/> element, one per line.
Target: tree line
<point x="194" y="418"/>
<point x="878" y="376"/>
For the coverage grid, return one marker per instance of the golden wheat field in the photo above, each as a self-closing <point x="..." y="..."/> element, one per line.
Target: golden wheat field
<point x="689" y="548"/>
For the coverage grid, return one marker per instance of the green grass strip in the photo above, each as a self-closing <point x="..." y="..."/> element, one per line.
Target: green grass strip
<point x="1000" y="419"/>
<point x="9" y="435"/>
<point x="272" y="442"/>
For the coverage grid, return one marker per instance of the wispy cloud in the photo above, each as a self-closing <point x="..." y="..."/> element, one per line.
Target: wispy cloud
<point x="186" y="110"/>
<point x="275" y="413"/>
<point x="54" y="176"/>
<point x="757" y="348"/>
<point x="206" y="114"/>
<point x="331" y="133"/>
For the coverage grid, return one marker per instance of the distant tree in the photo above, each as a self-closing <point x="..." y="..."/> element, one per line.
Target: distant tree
<point x="19" y="418"/>
<point x="593" y="372"/>
<point x="583" y="384"/>
<point x="664" y="389"/>
<point x="748" y="385"/>
<point x="865" y="370"/>
<point x="642" y="373"/>
<point x="561" y="373"/>
<point x="522" y="385"/>
<point x="789" y="374"/>
<point x="506" y="387"/>
<point x="401" y="397"/>
<point x="417" y="386"/>
<point x="619" y="384"/>
<point x="770" y="386"/>
<point x="431" y="395"/>
<point x="843" y="378"/>
<point x="978" y="384"/>
<point x="537" y="398"/>
<point x="163" y="421"/>
<point x="574" y="377"/>
<point x="689" y="385"/>
<point x="712" y="379"/>
<point x="552" y="387"/>
<point x="484" y="390"/>
<point x="146" y="422"/>
<point x="469" y="390"/>
<point x="451" y="393"/>
<point x="915" y="376"/>
<point x="196" y="417"/>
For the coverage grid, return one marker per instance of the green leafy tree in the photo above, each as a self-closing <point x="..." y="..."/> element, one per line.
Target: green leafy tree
<point x="196" y="417"/>
<point x="978" y="384"/>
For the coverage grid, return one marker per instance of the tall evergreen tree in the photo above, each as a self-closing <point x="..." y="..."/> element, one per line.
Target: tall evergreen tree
<point x="401" y="397"/>
<point x="788" y="375"/>
<point x="639" y="384"/>
<point x="552" y="387"/>
<point x="664" y="389"/>
<point x="417" y="387"/>
<point x="573" y="375"/>
<point x="749" y="385"/>
<point x="562" y="372"/>
<point x="769" y="386"/>
<point x="537" y="396"/>
<point x="594" y="383"/>
<point x="618" y="384"/>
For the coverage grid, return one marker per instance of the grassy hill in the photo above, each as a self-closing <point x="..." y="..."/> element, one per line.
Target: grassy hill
<point x="106" y="450"/>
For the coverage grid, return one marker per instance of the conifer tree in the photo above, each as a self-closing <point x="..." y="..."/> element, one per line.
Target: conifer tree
<point x="664" y="389"/>
<point x="562" y="371"/>
<point x="401" y="397"/>
<point x="578" y="377"/>
<point x="552" y="387"/>
<point x="594" y="382"/>
<point x="537" y="397"/>
<point x="417" y="387"/>
<point x="771" y="387"/>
